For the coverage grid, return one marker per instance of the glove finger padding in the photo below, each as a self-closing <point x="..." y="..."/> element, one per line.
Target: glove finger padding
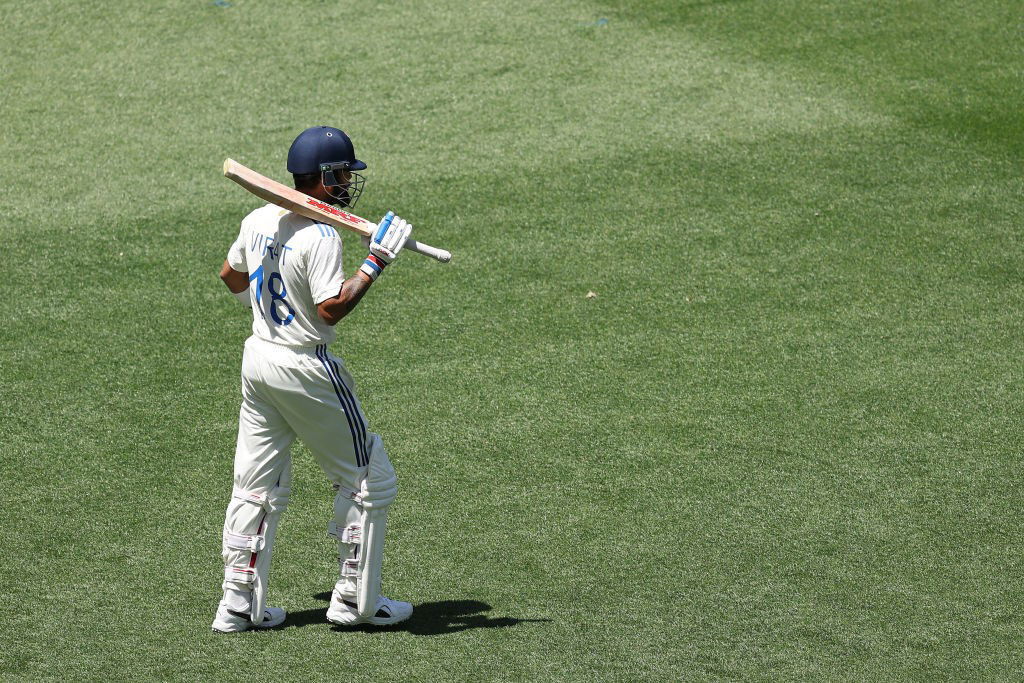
<point x="405" y="235"/>
<point x="391" y="235"/>
<point x="389" y="240"/>
<point x="384" y="226"/>
<point x="397" y="236"/>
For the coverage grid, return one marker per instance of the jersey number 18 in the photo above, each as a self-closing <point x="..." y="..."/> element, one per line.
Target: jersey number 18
<point x="277" y="298"/>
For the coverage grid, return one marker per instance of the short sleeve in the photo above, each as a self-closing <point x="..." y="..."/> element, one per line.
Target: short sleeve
<point x="236" y="254"/>
<point x="323" y="265"/>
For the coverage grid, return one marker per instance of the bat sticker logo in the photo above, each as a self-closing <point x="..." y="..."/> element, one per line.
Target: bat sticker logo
<point x="331" y="210"/>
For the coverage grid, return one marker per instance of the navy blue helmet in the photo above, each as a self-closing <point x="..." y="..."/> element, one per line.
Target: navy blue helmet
<point x="325" y="150"/>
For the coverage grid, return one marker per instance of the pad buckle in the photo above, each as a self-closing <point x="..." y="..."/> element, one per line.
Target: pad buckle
<point x="353" y="533"/>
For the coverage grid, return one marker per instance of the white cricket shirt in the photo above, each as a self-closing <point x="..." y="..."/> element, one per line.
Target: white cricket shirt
<point x="294" y="263"/>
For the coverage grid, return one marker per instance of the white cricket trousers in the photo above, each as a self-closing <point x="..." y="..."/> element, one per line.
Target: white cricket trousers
<point x="287" y="392"/>
<point x="303" y="392"/>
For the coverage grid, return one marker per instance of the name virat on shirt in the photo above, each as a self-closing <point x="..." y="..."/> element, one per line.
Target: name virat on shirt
<point x="269" y="245"/>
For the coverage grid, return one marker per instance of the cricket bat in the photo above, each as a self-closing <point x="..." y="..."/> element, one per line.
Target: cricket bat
<point x="304" y="205"/>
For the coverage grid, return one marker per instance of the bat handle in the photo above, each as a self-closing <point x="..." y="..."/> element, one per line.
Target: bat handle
<point x="427" y="250"/>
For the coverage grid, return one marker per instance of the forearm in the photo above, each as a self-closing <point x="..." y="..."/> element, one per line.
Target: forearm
<point x="352" y="291"/>
<point x="391" y="236"/>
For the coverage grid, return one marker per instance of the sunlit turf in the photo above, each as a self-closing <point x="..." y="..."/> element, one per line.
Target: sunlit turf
<point x="782" y="439"/>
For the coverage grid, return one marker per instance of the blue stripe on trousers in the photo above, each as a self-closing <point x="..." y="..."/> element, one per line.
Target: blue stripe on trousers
<point x="321" y="354"/>
<point x="347" y="406"/>
<point x="356" y="415"/>
<point x="355" y="409"/>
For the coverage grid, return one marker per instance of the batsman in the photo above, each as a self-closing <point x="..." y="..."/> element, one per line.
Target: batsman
<point x="288" y="269"/>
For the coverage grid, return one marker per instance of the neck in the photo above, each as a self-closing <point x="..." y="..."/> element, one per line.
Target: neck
<point x="317" y="193"/>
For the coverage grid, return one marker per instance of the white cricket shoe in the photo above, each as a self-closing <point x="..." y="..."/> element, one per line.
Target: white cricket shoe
<point x="230" y="621"/>
<point x="345" y="612"/>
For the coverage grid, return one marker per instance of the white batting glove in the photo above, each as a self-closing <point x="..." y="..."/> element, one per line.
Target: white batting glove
<point x="385" y="244"/>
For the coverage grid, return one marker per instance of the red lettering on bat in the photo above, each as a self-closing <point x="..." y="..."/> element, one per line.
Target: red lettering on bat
<point x="331" y="210"/>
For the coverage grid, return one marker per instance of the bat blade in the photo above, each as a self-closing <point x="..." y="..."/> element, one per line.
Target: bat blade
<point x="304" y="205"/>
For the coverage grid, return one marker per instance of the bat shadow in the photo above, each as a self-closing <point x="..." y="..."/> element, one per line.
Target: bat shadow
<point x="428" y="618"/>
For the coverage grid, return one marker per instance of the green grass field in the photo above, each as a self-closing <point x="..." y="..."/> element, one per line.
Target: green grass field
<point x="782" y="442"/>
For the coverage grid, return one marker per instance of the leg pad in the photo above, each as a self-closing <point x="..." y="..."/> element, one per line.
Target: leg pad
<point x="248" y="539"/>
<point x="360" y="520"/>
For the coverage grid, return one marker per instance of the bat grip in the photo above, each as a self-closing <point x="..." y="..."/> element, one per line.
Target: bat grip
<point x="427" y="250"/>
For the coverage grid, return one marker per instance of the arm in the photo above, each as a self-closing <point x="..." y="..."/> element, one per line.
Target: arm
<point x="334" y="309"/>
<point x="389" y="239"/>
<point x="237" y="282"/>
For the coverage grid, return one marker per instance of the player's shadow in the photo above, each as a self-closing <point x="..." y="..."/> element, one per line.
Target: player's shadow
<point x="428" y="619"/>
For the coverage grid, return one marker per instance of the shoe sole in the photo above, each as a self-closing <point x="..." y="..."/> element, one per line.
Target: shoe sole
<point x="262" y="626"/>
<point x="372" y="621"/>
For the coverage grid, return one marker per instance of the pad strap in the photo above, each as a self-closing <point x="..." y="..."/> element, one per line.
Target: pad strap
<point x="253" y="544"/>
<point x="244" y="577"/>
